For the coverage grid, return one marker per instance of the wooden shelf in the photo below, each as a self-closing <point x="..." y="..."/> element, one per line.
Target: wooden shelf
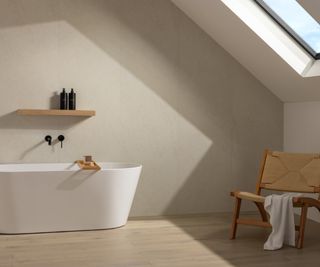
<point x="56" y="112"/>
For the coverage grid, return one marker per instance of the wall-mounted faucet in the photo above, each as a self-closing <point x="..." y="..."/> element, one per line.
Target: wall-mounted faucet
<point x="61" y="139"/>
<point x="48" y="139"/>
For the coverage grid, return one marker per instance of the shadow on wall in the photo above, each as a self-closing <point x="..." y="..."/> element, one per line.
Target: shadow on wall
<point x="55" y="101"/>
<point x="31" y="149"/>
<point x="13" y="121"/>
<point x="215" y="192"/>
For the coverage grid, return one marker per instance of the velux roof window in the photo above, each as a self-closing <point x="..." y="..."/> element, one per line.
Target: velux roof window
<point x="292" y="17"/>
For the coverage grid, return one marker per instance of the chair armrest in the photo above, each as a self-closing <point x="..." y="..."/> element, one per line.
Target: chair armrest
<point x="311" y="202"/>
<point x="248" y="196"/>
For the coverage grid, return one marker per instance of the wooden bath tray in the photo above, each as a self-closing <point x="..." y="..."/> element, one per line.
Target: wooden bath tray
<point x="88" y="165"/>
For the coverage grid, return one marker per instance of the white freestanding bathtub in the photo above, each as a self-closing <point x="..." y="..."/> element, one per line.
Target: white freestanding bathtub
<point x="61" y="197"/>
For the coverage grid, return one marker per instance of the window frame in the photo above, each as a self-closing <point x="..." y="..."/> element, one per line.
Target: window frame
<point x="288" y="29"/>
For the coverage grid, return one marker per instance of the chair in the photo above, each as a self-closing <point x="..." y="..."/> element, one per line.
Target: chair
<point x="287" y="172"/>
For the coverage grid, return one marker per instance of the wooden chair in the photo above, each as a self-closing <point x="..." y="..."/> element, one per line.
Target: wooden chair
<point x="287" y="172"/>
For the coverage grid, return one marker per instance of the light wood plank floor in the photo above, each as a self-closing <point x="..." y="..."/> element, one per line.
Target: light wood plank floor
<point x="184" y="241"/>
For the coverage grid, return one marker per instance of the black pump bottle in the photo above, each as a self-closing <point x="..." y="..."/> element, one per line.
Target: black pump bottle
<point x="72" y="100"/>
<point x="63" y="99"/>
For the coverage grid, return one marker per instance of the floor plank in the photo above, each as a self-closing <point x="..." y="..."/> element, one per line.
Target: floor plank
<point x="197" y="240"/>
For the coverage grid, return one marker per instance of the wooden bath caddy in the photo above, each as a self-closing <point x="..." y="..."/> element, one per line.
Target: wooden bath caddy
<point x="88" y="165"/>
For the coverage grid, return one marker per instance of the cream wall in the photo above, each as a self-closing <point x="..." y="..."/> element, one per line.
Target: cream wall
<point x="301" y="127"/>
<point x="166" y="96"/>
<point x="302" y="132"/>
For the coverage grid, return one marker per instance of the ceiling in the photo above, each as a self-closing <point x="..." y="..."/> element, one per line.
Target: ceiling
<point x="251" y="51"/>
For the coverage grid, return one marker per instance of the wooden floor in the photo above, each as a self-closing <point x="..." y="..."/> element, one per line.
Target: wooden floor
<point x="183" y="241"/>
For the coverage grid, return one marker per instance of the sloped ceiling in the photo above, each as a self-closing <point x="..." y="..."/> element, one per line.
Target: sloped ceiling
<point x="245" y="46"/>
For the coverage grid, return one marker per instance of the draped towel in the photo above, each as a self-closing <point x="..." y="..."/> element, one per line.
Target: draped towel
<point x="280" y="209"/>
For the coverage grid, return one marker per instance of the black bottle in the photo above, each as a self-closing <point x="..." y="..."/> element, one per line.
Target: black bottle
<point x="72" y="100"/>
<point x="63" y="99"/>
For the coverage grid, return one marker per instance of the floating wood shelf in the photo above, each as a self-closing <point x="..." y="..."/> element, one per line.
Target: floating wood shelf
<point x="56" y="112"/>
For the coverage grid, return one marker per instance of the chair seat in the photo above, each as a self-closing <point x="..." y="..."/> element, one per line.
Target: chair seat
<point x="297" y="201"/>
<point x="249" y="196"/>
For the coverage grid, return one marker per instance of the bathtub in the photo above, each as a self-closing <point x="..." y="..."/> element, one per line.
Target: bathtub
<point x="60" y="197"/>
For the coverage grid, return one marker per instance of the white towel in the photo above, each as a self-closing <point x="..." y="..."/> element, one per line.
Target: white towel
<point x="280" y="208"/>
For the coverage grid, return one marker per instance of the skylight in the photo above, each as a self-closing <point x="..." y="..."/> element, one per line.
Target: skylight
<point x="296" y="21"/>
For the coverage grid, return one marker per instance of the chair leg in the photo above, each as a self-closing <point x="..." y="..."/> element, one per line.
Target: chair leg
<point x="262" y="211"/>
<point x="303" y="220"/>
<point x="236" y="213"/>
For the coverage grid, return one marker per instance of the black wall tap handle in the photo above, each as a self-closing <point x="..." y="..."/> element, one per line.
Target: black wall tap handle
<point x="48" y="139"/>
<point x="61" y="139"/>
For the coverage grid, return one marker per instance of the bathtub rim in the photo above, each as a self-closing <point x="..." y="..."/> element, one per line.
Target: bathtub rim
<point x="68" y="167"/>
